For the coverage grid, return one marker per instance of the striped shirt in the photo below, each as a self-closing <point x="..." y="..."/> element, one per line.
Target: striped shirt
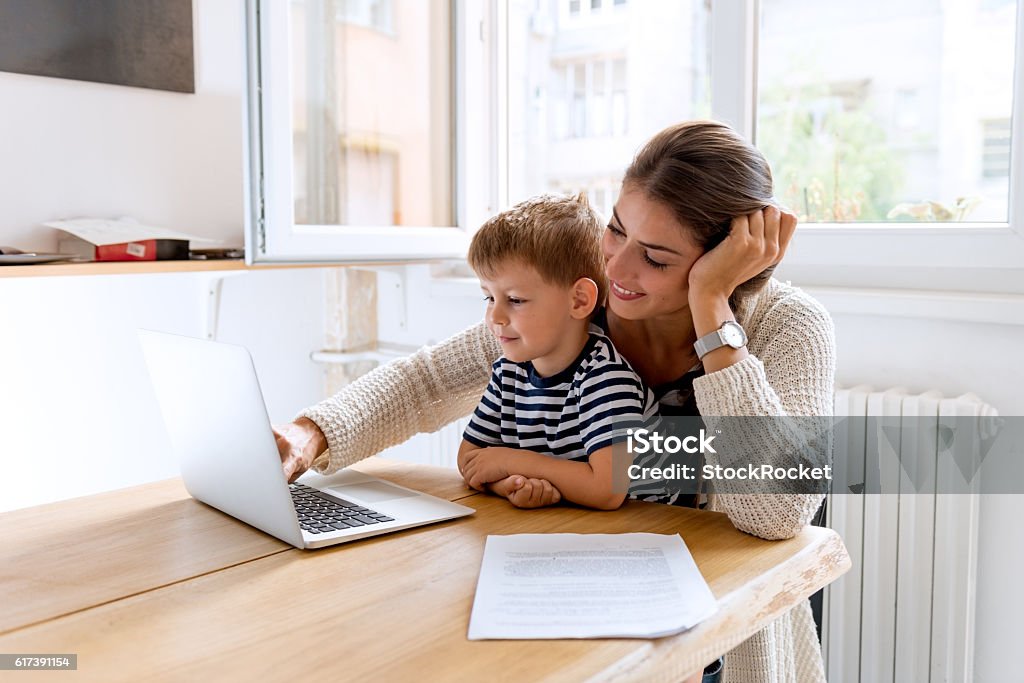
<point x="570" y="415"/>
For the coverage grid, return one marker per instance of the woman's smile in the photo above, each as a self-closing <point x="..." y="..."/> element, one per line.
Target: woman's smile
<point x="625" y="294"/>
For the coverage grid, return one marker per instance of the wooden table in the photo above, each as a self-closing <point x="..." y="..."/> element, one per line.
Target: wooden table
<point x="148" y="584"/>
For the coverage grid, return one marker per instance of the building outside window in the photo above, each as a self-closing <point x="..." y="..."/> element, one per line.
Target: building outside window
<point x="597" y="81"/>
<point x="375" y="14"/>
<point x="597" y="101"/>
<point x="370" y="124"/>
<point x="995" y="148"/>
<point x="877" y="130"/>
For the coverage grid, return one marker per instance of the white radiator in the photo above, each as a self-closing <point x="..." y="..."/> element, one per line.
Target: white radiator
<point x="905" y="611"/>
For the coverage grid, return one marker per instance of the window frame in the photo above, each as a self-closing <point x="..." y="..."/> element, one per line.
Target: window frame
<point x="890" y="246"/>
<point x="270" y="233"/>
<point x="480" y="135"/>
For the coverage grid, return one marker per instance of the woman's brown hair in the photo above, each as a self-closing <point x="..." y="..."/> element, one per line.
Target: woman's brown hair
<point x="707" y="174"/>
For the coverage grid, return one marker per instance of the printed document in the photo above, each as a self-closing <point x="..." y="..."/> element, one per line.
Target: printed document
<point x="588" y="586"/>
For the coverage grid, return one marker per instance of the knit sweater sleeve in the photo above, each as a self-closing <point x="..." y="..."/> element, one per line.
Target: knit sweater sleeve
<point x="788" y="374"/>
<point x="392" y="403"/>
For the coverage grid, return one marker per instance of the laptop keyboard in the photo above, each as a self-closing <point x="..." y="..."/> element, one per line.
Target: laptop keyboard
<point x="320" y="513"/>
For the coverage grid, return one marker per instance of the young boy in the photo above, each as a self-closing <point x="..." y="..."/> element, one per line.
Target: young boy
<point x="561" y="395"/>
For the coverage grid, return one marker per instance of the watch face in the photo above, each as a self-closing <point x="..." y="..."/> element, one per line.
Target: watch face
<point x="732" y="334"/>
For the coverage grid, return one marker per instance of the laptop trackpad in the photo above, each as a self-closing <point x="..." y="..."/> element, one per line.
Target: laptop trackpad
<point x="372" y="491"/>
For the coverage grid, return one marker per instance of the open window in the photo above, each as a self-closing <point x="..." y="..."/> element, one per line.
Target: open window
<point x="387" y="130"/>
<point x="367" y="126"/>
<point x="890" y="128"/>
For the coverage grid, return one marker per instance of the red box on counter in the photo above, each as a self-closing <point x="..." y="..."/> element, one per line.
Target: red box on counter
<point x="140" y="250"/>
<point x="146" y="250"/>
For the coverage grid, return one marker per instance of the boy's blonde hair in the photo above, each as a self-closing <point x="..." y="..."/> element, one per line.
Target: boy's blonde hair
<point x="558" y="235"/>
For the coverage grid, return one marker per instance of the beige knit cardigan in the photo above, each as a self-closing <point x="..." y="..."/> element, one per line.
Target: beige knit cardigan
<point x="789" y="371"/>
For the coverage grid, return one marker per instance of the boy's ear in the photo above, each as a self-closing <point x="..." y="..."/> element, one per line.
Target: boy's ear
<point x="584" y="298"/>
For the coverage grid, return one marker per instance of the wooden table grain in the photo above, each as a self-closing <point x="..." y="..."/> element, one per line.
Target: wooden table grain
<point x="63" y="557"/>
<point x="390" y="608"/>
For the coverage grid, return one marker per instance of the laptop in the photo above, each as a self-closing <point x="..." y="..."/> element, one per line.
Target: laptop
<point x="219" y="429"/>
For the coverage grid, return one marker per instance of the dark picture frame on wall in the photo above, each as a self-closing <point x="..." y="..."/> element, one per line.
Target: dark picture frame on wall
<point x="140" y="43"/>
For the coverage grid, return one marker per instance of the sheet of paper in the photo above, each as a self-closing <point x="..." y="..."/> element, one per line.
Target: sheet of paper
<point x="587" y="586"/>
<point x="101" y="232"/>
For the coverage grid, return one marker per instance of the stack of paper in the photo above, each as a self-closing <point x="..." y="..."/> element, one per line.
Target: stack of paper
<point x="588" y="586"/>
<point x="98" y="239"/>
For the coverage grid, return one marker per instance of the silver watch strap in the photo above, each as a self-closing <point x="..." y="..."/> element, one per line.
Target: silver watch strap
<point x="708" y="343"/>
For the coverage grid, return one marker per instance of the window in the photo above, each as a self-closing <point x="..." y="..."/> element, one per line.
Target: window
<point x="598" y="99"/>
<point x="596" y="105"/>
<point x="874" y="130"/>
<point x="578" y="107"/>
<point x="375" y="14"/>
<point x="392" y="142"/>
<point x="586" y="11"/>
<point x="355" y="152"/>
<point x="995" y="148"/>
<point x="597" y="90"/>
<point x="363" y="102"/>
<point x="891" y="180"/>
<point x="619" y="111"/>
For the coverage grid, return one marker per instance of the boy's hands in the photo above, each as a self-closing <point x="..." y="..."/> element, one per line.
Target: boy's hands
<point x="483" y="466"/>
<point x="488" y="468"/>
<point x="526" y="492"/>
<point x="585" y="483"/>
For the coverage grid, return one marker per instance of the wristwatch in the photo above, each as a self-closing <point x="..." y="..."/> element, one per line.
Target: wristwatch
<point x="729" y="334"/>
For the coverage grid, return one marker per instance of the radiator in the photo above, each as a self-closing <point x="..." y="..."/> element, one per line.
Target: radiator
<point x="905" y="610"/>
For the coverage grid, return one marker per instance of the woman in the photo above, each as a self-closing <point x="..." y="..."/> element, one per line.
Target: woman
<point x="690" y="249"/>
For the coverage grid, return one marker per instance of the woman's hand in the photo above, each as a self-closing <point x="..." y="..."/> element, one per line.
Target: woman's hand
<point x="755" y="242"/>
<point x="298" y="443"/>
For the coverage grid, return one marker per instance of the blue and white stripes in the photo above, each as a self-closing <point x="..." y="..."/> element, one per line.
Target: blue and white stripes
<point x="572" y="414"/>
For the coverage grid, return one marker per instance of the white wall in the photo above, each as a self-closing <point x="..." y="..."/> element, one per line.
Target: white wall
<point x="71" y="148"/>
<point x="77" y="414"/>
